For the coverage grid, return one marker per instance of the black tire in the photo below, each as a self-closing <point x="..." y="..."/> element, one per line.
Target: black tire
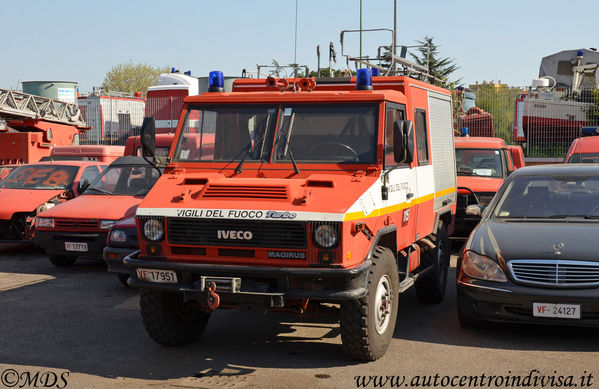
<point x="123" y="278"/>
<point x="364" y="333"/>
<point x="168" y="320"/>
<point x="430" y="289"/>
<point x="61" y="260"/>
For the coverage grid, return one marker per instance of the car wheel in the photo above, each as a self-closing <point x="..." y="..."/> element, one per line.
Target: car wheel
<point x="61" y="260"/>
<point x="123" y="278"/>
<point x="367" y="323"/>
<point x="169" y="320"/>
<point x="431" y="288"/>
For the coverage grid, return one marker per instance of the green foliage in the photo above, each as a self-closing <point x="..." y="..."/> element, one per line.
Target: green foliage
<point x="324" y="73"/>
<point x="130" y="78"/>
<point x="428" y="56"/>
<point x="499" y="101"/>
<point x="593" y="110"/>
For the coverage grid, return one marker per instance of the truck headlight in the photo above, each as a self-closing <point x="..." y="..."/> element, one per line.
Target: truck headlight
<point x="484" y="268"/>
<point x="118" y="236"/>
<point x="153" y="230"/>
<point x="44" y="222"/>
<point x="106" y="224"/>
<point x="326" y="236"/>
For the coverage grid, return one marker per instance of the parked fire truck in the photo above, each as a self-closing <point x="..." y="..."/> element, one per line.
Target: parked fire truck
<point x="36" y="124"/>
<point x="300" y="192"/>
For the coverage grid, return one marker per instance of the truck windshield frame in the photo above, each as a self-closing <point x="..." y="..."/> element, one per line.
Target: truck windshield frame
<point x="339" y="133"/>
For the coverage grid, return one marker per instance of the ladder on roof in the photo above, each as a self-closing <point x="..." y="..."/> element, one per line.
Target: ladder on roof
<point x="16" y="105"/>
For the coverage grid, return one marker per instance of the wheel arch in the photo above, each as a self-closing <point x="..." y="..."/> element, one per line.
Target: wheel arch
<point x="385" y="237"/>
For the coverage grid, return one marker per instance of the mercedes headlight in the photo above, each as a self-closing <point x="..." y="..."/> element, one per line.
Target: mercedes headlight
<point x="153" y="230"/>
<point x="326" y="236"/>
<point x="484" y="268"/>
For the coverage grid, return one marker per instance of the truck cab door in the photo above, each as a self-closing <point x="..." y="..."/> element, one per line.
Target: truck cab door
<point x="401" y="182"/>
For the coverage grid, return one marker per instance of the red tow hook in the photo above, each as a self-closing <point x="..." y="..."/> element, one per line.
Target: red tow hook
<point x="213" y="299"/>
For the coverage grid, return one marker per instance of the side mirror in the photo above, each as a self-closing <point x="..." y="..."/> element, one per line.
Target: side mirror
<point x="83" y="186"/>
<point x="474" y="210"/>
<point x="403" y="141"/>
<point x="148" y="138"/>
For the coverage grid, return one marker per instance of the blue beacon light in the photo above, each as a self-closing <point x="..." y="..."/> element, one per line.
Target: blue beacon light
<point x="216" y="82"/>
<point x="364" y="79"/>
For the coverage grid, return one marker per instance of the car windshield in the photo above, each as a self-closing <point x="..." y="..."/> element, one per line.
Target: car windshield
<point x="40" y="177"/>
<point x="584" y="158"/>
<point x="324" y="133"/>
<point x="479" y="162"/>
<point x="124" y="181"/>
<point x="554" y="197"/>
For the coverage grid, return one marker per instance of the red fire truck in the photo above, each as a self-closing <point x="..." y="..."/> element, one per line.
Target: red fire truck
<point x="300" y="192"/>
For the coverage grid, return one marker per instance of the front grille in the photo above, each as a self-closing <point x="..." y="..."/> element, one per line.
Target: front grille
<point x="247" y="233"/>
<point x="246" y="192"/>
<point x="555" y="273"/>
<point x="83" y="224"/>
<point x="484" y="198"/>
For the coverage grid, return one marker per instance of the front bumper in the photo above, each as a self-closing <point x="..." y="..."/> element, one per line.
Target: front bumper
<point x="113" y="257"/>
<point x="513" y="303"/>
<point x="273" y="284"/>
<point x="53" y="242"/>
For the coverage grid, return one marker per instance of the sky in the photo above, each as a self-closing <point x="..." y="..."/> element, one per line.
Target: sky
<point x="80" y="41"/>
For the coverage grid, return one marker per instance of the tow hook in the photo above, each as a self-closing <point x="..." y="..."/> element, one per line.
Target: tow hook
<point x="213" y="299"/>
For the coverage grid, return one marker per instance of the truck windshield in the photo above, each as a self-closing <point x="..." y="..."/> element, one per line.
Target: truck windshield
<point x="479" y="162"/>
<point x="40" y="177"/>
<point x="308" y="133"/>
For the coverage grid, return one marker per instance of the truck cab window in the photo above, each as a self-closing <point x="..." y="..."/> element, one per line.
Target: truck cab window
<point x="394" y="113"/>
<point x="421" y="137"/>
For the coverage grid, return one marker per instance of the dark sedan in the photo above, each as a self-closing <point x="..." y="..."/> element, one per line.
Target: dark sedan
<point x="533" y="256"/>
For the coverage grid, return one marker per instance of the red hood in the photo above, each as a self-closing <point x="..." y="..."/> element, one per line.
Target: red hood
<point x="23" y="200"/>
<point x="479" y="184"/>
<point x="95" y="207"/>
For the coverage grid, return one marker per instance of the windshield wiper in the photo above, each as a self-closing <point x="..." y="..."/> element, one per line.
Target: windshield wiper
<point x="247" y="152"/>
<point x="101" y="191"/>
<point x="288" y="144"/>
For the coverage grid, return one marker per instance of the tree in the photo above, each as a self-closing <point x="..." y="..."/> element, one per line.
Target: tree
<point x="593" y="109"/>
<point x="499" y="100"/>
<point x="428" y="56"/>
<point x="130" y="78"/>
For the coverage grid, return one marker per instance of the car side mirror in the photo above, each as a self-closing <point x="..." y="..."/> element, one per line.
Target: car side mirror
<point x="83" y="186"/>
<point x="148" y="138"/>
<point x="403" y="141"/>
<point x="475" y="210"/>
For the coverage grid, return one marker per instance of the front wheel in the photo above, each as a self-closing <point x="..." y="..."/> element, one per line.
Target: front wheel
<point x="169" y="320"/>
<point x="431" y="288"/>
<point x="367" y="323"/>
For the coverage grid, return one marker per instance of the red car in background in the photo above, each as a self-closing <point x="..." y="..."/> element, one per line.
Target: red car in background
<point x="33" y="188"/>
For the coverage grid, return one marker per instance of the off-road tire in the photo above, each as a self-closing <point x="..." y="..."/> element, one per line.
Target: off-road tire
<point x="61" y="260"/>
<point x="358" y="318"/>
<point x="168" y="320"/>
<point x="123" y="278"/>
<point x="430" y="289"/>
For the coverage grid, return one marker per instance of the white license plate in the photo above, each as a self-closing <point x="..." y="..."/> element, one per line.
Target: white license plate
<point x="161" y="276"/>
<point x="75" y="246"/>
<point x="566" y="311"/>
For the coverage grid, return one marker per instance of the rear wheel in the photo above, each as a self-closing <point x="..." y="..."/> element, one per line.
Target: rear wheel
<point x="61" y="260"/>
<point x="169" y="320"/>
<point x="431" y="288"/>
<point x="367" y="323"/>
